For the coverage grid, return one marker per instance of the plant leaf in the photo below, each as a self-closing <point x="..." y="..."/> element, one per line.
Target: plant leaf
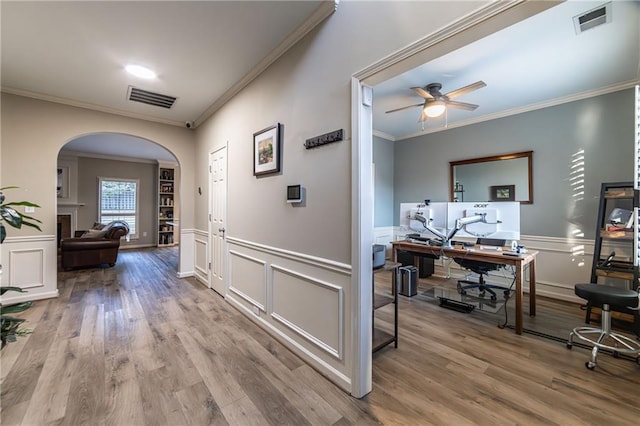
<point x="13" y="309"/>
<point x="22" y="203"/>
<point x="11" y="216"/>
<point x="3" y="233"/>
<point x="5" y="289"/>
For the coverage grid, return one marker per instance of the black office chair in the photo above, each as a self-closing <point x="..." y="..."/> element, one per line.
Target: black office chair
<point x="482" y="269"/>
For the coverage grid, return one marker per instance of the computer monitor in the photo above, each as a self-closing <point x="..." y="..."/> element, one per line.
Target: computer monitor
<point x="501" y="219"/>
<point x="435" y="214"/>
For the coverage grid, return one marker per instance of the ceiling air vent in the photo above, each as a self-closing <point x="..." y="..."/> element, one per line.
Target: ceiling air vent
<point x="593" y="18"/>
<point x="151" y="98"/>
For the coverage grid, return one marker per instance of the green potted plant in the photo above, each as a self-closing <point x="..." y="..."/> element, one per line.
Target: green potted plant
<point x="11" y="326"/>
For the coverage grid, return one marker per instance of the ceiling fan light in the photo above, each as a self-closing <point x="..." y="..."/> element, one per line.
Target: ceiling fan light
<point x="434" y="109"/>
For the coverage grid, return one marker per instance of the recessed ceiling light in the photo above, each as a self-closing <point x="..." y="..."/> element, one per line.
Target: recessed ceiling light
<point x="140" y="71"/>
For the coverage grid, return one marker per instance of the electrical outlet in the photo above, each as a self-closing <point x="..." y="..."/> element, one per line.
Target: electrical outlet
<point x="29" y="209"/>
<point x="256" y="311"/>
<point x="144" y="234"/>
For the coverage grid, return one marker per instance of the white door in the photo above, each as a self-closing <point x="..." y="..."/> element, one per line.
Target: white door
<point x="217" y="218"/>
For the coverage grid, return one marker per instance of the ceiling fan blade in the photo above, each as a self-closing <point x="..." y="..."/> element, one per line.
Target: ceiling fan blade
<point x="466" y="89"/>
<point x="462" y="105"/>
<point x="420" y="91"/>
<point x="406" y="107"/>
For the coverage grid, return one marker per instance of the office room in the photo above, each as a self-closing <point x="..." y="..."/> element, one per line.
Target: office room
<point x="524" y="132"/>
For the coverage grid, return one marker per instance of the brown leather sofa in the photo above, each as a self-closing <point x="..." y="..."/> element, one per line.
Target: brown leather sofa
<point x="94" y="247"/>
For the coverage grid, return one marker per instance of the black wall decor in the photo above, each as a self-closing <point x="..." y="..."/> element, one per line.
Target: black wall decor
<point x="335" y="136"/>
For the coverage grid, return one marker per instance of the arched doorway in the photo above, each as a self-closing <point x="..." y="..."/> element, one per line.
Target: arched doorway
<point x="89" y="163"/>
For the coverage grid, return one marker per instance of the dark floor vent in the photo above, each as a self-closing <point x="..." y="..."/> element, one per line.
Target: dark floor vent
<point x="593" y="18"/>
<point x="151" y="98"/>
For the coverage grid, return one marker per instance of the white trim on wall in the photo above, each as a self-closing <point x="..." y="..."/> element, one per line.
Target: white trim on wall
<point x="263" y="282"/>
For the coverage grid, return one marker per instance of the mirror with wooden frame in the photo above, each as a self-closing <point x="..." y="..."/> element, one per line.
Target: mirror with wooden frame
<point x="506" y="177"/>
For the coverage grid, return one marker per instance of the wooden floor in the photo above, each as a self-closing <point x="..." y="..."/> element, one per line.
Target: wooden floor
<point x="133" y="345"/>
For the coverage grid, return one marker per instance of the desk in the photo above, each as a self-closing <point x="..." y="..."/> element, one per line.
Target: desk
<point x="490" y="256"/>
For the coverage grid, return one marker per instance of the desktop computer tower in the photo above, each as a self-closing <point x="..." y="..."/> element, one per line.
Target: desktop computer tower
<point x="408" y="281"/>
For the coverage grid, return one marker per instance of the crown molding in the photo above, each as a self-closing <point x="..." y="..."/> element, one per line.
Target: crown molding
<point x="519" y="110"/>
<point x="86" y="105"/>
<point x="384" y="135"/>
<point x="322" y="12"/>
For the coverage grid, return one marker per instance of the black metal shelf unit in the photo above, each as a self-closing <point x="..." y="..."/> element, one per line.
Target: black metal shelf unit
<point x="622" y="239"/>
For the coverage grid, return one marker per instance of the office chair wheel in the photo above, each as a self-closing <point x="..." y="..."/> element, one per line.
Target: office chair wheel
<point x="569" y="345"/>
<point x="493" y="297"/>
<point x="616" y="354"/>
<point x="507" y="293"/>
<point x="590" y="365"/>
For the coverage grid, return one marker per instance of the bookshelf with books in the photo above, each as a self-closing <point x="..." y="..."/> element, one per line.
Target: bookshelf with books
<point x="167" y="206"/>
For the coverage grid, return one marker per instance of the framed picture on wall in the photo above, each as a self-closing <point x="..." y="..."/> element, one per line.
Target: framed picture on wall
<point x="503" y="193"/>
<point x="266" y="150"/>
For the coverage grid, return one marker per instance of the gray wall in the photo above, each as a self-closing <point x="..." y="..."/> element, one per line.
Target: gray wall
<point x="89" y="169"/>
<point x="383" y="211"/>
<point x="598" y="129"/>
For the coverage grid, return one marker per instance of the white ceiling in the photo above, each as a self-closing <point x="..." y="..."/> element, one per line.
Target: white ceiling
<point x="535" y="63"/>
<point x="75" y="52"/>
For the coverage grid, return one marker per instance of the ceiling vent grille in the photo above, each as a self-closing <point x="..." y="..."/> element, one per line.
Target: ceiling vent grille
<point x="593" y="18"/>
<point x="151" y="98"/>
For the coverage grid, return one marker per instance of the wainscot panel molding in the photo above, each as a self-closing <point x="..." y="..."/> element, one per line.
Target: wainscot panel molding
<point x="324" y="324"/>
<point x="30" y="263"/>
<point x="560" y="264"/>
<point x="299" y="299"/>
<point x="248" y="279"/>
<point x="187" y="252"/>
<point x="384" y="235"/>
<point x="201" y="256"/>
<point x="339" y="267"/>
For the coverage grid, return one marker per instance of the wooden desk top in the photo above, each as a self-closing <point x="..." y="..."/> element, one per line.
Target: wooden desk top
<point x="472" y="253"/>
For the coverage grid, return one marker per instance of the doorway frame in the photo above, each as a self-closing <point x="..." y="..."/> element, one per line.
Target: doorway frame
<point x="487" y="20"/>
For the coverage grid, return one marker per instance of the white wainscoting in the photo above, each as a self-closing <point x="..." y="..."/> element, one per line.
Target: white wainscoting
<point x="186" y="263"/>
<point x="384" y="235"/>
<point x="248" y="278"/>
<point x="30" y="263"/>
<point x="201" y="256"/>
<point x="299" y="299"/>
<point x="560" y="264"/>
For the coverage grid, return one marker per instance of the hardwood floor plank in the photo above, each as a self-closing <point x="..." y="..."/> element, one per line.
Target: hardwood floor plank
<point x="244" y="412"/>
<point x="86" y="400"/>
<point x="214" y="372"/>
<point x="199" y="407"/>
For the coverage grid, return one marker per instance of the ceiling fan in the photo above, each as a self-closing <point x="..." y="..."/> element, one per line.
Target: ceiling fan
<point x="435" y="103"/>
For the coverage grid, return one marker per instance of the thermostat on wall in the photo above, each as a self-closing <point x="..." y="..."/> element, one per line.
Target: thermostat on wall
<point x="294" y="193"/>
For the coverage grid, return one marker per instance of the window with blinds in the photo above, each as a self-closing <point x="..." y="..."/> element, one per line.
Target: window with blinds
<point x="119" y="201"/>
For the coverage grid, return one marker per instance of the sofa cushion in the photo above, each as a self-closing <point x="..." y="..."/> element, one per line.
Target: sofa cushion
<point x="95" y="233"/>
